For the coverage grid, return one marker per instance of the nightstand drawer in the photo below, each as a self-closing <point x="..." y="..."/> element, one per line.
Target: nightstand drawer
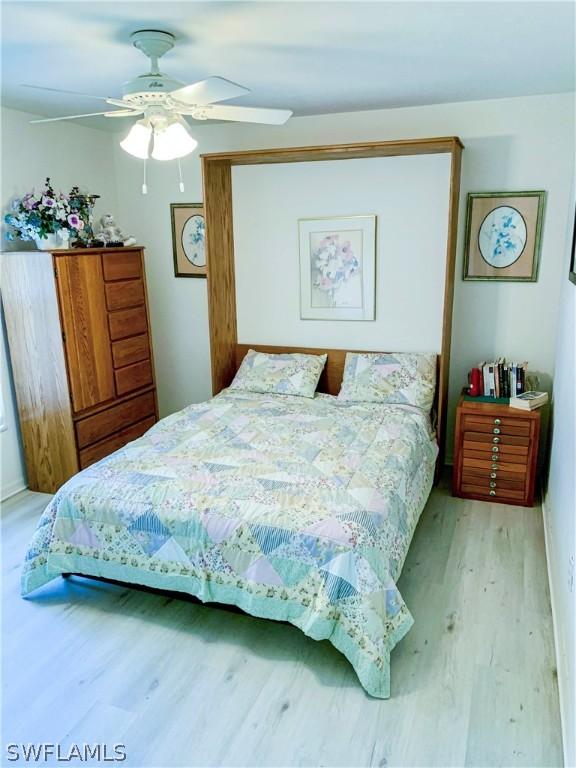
<point x="496" y="426"/>
<point x="494" y="473"/>
<point x="496" y="439"/>
<point x="488" y="482"/>
<point x="493" y="494"/>
<point x="519" y="451"/>
<point x="482" y="463"/>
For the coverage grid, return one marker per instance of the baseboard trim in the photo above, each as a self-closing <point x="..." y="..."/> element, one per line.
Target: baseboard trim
<point x="562" y="673"/>
<point x="12" y="489"/>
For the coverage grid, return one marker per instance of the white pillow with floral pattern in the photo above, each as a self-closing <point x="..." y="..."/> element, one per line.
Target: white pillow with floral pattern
<point x="282" y="374"/>
<point x="401" y="378"/>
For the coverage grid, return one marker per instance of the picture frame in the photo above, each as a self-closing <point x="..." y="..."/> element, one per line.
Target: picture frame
<point x="338" y="268"/>
<point x="188" y="239"/>
<point x="503" y="236"/>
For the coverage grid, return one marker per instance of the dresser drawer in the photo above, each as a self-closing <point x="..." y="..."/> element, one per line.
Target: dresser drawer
<point x="494" y="472"/>
<point x="121" y="266"/>
<point x="507" y="451"/>
<point x="492" y="480"/>
<point x="133" y="377"/>
<point x="105" y="423"/>
<point x="106" y="447"/>
<point x="124" y="293"/>
<point x="127" y="322"/>
<point x="130" y="350"/>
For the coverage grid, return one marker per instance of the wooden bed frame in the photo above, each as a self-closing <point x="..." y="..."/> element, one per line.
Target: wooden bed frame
<point x="225" y="350"/>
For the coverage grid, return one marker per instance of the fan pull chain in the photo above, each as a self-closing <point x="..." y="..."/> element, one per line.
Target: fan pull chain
<point x="180" y="175"/>
<point x="144" y="185"/>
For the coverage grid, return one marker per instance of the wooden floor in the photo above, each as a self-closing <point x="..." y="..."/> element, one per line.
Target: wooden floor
<point x="473" y="683"/>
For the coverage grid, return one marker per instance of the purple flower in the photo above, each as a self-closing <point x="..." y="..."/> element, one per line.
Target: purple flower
<point x="75" y="221"/>
<point x="49" y="202"/>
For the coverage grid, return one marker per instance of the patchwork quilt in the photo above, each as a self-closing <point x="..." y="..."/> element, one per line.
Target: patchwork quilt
<point x="290" y="508"/>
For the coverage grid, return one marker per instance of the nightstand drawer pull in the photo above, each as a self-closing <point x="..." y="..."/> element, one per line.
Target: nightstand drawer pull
<point x="493" y="475"/>
<point x="494" y="457"/>
<point x="496" y="431"/>
<point x="492" y="493"/>
<point x="497" y="421"/>
<point x="494" y="466"/>
<point x="492" y="485"/>
<point x="495" y="439"/>
<point x="495" y="449"/>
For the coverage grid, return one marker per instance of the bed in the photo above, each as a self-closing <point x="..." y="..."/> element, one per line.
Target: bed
<point x="289" y="508"/>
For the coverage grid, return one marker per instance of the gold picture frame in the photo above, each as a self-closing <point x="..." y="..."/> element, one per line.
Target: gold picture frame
<point x="188" y="239"/>
<point x="503" y="235"/>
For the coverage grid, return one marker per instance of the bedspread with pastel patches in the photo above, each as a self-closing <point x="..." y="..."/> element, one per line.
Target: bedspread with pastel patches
<point x="290" y="508"/>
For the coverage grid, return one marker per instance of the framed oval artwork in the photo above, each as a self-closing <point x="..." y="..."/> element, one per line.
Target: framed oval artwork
<point x="188" y="239"/>
<point x="503" y="235"/>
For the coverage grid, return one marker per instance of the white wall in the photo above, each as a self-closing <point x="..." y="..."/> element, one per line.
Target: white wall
<point x="560" y="509"/>
<point x="410" y="198"/>
<point x="511" y="144"/>
<point x="69" y="154"/>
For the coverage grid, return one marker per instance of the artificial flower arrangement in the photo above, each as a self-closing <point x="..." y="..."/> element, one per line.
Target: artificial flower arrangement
<point x="48" y="217"/>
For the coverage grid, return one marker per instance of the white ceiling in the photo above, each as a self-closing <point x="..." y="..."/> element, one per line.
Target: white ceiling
<point x="312" y="57"/>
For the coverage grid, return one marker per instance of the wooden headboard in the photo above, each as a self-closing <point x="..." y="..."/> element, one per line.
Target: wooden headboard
<point x="333" y="372"/>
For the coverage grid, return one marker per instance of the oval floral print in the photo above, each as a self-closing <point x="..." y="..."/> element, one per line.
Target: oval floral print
<point x="193" y="240"/>
<point x="502" y="237"/>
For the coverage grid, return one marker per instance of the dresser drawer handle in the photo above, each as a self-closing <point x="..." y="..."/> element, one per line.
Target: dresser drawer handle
<point x="492" y="493"/>
<point x="497" y="421"/>
<point x="495" y="439"/>
<point x="496" y="431"/>
<point x="493" y="475"/>
<point x="492" y="485"/>
<point x="495" y="449"/>
<point x="495" y="457"/>
<point x="494" y="466"/>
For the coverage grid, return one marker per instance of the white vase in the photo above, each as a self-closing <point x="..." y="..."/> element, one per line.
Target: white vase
<point x="52" y="242"/>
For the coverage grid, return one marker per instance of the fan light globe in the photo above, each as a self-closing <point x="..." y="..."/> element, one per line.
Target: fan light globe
<point x="137" y="142"/>
<point x="172" y="142"/>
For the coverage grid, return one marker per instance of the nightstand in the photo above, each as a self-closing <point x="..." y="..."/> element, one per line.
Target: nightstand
<point x="496" y="448"/>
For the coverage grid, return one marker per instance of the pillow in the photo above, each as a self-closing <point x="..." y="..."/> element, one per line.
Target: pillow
<point x="399" y="378"/>
<point x="284" y="374"/>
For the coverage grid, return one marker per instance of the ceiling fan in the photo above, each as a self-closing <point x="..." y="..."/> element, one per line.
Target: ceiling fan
<point x="163" y="133"/>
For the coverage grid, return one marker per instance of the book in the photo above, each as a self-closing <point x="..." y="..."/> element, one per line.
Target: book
<point x="529" y="401"/>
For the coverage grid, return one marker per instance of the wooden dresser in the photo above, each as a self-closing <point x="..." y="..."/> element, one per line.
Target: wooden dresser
<point x="79" y="338"/>
<point x="496" y="450"/>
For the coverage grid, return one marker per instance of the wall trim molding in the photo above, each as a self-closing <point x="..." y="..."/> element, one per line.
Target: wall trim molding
<point x="11" y="489"/>
<point x="562" y="672"/>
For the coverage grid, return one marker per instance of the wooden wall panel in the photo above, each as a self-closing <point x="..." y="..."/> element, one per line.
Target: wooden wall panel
<point x="220" y="260"/>
<point x="35" y="339"/>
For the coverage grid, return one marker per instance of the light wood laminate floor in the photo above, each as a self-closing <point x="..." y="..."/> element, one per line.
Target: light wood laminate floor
<point x="473" y="682"/>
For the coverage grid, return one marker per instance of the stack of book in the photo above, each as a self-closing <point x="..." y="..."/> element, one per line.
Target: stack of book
<point x="501" y="379"/>
<point x="528" y="401"/>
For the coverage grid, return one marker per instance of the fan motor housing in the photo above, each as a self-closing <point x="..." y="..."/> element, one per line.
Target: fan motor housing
<point x="149" y="89"/>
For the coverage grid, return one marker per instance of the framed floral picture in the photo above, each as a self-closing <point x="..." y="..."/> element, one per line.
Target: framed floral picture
<point x="188" y="239"/>
<point x="338" y="268"/>
<point x="503" y="235"/>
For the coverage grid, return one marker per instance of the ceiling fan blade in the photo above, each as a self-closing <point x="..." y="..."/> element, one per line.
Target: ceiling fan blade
<point x="123" y="113"/>
<point x="60" y="90"/>
<point x="208" y="91"/>
<point x="75" y="117"/>
<point x="244" y="114"/>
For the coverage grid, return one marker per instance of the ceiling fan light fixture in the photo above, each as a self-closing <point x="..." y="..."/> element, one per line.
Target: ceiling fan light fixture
<point x="137" y="142"/>
<point x="172" y="141"/>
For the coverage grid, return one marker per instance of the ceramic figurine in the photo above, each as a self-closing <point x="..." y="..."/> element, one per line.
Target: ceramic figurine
<point x="111" y="234"/>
